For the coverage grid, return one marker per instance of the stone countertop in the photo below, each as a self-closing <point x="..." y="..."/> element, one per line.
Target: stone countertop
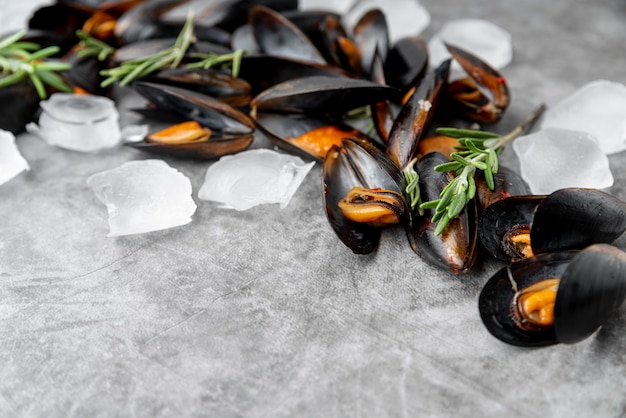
<point x="264" y="313"/>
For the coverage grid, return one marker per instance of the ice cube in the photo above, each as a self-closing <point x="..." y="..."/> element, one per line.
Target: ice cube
<point x="599" y="108"/>
<point x="480" y="37"/>
<point x="337" y="6"/>
<point x="11" y="161"/>
<point x="555" y="158"/>
<point x="404" y="17"/>
<point x="144" y="196"/>
<point x="78" y="122"/>
<point x="254" y="177"/>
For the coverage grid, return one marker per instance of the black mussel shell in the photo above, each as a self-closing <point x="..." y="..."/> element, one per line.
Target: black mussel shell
<point x="208" y="111"/>
<point x="456" y="248"/>
<point x="356" y="163"/>
<point x="322" y="95"/>
<point x="206" y="150"/>
<point x="406" y="63"/>
<point x="416" y="115"/>
<point x="592" y="287"/>
<point x="575" y="218"/>
<point x="568" y="219"/>
<point x="18" y="104"/>
<point x="591" y="290"/>
<point x="276" y="35"/>
<point x="371" y="34"/>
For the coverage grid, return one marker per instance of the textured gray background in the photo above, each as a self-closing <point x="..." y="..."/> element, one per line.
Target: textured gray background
<point x="264" y="313"/>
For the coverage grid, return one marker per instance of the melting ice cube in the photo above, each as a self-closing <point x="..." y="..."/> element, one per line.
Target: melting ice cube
<point x="599" y="108"/>
<point x="11" y="161"/>
<point x="404" y="17"/>
<point x="555" y="158"/>
<point x="144" y="196"/>
<point x="252" y="178"/>
<point x="482" y="38"/>
<point x="78" y="122"/>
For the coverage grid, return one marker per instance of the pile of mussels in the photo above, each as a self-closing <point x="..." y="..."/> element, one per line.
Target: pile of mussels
<point x="302" y="74"/>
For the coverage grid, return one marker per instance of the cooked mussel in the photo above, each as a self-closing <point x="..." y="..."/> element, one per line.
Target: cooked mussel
<point x="568" y="219"/>
<point x="362" y="193"/>
<point x="207" y="128"/>
<point x="303" y="135"/>
<point x="483" y="95"/>
<point x="554" y="297"/>
<point x="456" y="248"/>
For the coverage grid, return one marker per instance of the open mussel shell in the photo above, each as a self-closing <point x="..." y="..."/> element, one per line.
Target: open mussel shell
<point x="455" y="249"/>
<point x="484" y="95"/>
<point x="322" y="95"/>
<point x="356" y="163"/>
<point x="284" y="130"/>
<point x="567" y="219"/>
<point x="591" y="288"/>
<point x="208" y="111"/>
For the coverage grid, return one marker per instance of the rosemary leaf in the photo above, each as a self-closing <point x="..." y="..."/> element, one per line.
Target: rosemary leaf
<point x="477" y="150"/>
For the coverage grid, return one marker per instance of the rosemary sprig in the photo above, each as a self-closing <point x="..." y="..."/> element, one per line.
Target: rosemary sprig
<point x="477" y="150"/>
<point x="21" y="60"/>
<point x="171" y="57"/>
<point x="90" y="47"/>
<point x="411" y="188"/>
<point x="207" y="61"/>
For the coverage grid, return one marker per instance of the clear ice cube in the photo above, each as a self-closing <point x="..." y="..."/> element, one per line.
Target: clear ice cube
<point x="482" y="38"/>
<point x="144" y="196"/>
<point x="11" y="161"/>
<point x="254" y="177"/>
<point x="78" y="122"/>
<point x="555" y="158"/>
<point x="599" y="108"/>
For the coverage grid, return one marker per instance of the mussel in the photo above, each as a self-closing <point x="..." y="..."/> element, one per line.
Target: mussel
<point x="456" y="248"/>
<point x="208" y="127"/>
<point x="362" y="193"/>
<point x="483" y="95"/>
<point x="559" y="297"/>
<point x="568" y="219"/>
<point x="415" y="116"/>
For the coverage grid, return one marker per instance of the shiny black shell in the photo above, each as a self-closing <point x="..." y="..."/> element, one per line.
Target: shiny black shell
<point x="591" y="289"/>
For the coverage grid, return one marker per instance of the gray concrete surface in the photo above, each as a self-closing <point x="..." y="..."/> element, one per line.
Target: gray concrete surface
<point x="264" y="313"/>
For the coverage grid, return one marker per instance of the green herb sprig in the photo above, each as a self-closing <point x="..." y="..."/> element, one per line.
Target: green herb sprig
<point x="207" y="61"/>
<point x="171" y="57"/>
<point x="93" y="47"/>
<point x="21" y="60"/>
<point x="477" y="150"/>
